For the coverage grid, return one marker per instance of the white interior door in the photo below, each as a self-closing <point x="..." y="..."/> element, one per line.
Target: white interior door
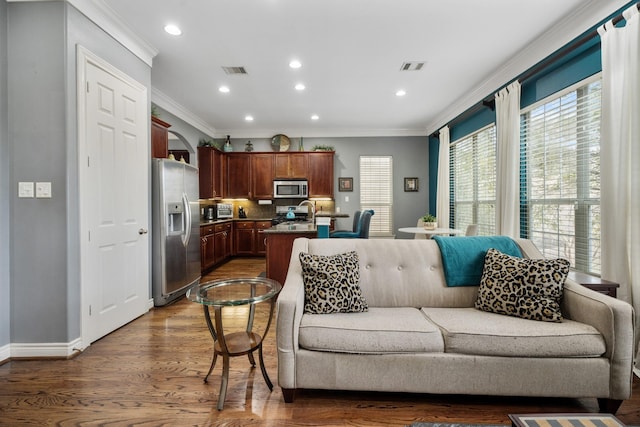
<point x="114" y="197"/>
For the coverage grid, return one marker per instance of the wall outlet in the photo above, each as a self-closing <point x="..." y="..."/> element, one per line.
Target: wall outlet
<point x="25" y="189"/>
<point x="43" y="190"/>
<point x="346" y="198"/>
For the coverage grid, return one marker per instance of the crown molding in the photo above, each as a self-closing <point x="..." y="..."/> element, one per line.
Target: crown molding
<point x="168" y="104"/>
<point x="584" y="18"/>
<point x="319" y="133"/>
<point x="109" y="21"/>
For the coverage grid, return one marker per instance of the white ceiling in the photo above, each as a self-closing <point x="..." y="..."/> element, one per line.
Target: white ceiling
<point x="351" y="53"/>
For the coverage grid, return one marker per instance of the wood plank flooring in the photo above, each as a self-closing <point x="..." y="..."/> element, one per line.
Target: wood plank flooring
<point x="149" y="373"/>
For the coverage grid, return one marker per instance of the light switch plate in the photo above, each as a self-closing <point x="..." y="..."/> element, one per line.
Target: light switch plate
<point x="43" y="190"/>
<point x="25" y="189"/>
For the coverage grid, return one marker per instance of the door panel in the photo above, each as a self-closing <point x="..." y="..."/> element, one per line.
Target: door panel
<point x="113" y="197"/>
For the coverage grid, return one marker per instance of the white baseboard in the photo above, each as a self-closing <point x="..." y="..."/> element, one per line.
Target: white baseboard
<point x="5" y="352"/>
<point x="61" y="350"/>
<point x="150" y="304"/>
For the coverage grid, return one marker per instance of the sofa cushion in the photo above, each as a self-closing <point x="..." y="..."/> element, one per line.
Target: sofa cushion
<point x="471" y="331"/>
<point x="380" y="330"/>
<point x="527" y="288"/>
<point x="331" y="283"/>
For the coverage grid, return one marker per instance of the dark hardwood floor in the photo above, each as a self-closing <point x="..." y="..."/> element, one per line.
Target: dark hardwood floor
<point x="149" y="373"/>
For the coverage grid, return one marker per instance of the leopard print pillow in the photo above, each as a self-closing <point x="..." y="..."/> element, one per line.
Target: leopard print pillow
<point x="331" y="283"/>
<point x="527" y="288"/>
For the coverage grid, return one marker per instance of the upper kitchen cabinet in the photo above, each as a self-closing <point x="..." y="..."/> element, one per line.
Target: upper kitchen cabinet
<point x="291" y="165"/>
<point x="320" y="174"/>
<point x="159" y="138"/>
<point x="262" y="175"/>
<point x="211" y="172"/>
<point x="238" y="175"/>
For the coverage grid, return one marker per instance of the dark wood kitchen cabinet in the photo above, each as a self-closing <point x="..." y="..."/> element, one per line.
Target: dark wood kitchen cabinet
<point x="262" y="176"/>
<point x="207" y="247"/>
<point x="159" y="138"/>
<point x="244" y="238"/>
<point x="238" y="175"/>
<point x="291" y="165"/>
<point x="223" y="241"/>
<point x="320" y="174"/>
<point x="261" y="237"/>
<point x="250" y="237"/>
<point x="211" y="173"/>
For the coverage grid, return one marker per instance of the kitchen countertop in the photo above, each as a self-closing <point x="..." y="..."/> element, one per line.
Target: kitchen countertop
<point x="295" y="227"/>
<point x="220" y="221"/>
<point x="332" y="214"/>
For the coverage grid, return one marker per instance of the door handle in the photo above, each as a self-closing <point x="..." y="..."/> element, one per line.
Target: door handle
<point x="143" y="231"/>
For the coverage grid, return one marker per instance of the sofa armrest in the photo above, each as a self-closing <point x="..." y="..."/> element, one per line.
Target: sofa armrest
<point x="615" y="320"/>
<point x="290" y="309"/>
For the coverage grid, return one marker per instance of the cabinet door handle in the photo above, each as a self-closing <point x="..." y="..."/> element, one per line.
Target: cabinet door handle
<point x="142" y="231"/>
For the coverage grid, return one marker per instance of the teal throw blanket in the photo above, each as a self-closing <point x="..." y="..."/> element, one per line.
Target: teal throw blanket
<point x="463" y="257"/>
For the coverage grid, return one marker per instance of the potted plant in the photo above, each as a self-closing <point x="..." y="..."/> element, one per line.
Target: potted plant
<point x="430" y="222"/>
<point x="323" y="148"/>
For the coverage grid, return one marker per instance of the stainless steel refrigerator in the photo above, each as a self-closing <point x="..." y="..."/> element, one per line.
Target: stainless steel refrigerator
<point x="176" y="229"/>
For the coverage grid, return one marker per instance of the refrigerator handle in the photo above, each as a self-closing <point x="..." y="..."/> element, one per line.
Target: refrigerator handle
<point x="187" y="220"/>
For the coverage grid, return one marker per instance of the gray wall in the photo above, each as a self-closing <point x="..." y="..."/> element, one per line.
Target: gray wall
<point x="410" y="159"/>
<point x="5" y="252"/>
<point x="44" y="263"/>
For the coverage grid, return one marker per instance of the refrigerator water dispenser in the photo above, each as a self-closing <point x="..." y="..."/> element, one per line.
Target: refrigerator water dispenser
<point x="175" y="220"/>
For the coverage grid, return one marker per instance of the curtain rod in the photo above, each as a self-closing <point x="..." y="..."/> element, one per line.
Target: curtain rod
<point x="489" y="102"/>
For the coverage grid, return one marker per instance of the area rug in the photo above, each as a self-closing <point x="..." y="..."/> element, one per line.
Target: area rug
<point x="453" y="425"/>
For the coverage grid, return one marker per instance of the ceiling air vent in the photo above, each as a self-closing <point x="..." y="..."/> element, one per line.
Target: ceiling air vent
<point x="412" y="66"/>
<point x="235" y="70"/>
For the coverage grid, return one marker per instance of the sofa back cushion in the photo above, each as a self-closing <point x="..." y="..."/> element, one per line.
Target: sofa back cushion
<point x="397" y="273"/>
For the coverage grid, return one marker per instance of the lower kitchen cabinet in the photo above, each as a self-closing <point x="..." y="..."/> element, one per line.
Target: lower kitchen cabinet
<point x="261" y="237"/>
<point x="223" y="241"/>
<point x="249" y="237"/>
<point x="279" y="247"/>
<point x="216" y="244"/>
<point x="207" y="247"/>
<point x="244" y="238"/>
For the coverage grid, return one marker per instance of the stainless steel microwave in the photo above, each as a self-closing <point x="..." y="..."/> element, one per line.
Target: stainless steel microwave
<point x="224" y="210"/>
<point x="298" y="189"/>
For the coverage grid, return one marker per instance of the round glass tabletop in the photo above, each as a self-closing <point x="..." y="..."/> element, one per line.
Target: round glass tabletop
<point x="231" y="292"/>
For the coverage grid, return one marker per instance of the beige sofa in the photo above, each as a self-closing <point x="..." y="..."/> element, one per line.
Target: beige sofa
<point x="421" y="336"/>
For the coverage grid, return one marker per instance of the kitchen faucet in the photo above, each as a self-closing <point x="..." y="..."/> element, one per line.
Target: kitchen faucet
<point x="313" y="209"/>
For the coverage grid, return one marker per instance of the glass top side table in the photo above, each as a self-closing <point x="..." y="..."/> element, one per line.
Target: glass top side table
<point x="229" y="293"/>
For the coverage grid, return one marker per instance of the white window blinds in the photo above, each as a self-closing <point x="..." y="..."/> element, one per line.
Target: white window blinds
<point x="472" y="166"/>
<point x="560" y="175"/>
<point x="376" y="192"/>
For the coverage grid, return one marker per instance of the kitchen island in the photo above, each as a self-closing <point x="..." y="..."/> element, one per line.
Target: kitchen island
<point x="279" y="243"/>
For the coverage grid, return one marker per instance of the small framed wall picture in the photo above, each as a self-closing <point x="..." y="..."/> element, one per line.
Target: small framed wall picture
<point x="345" y="184"/>
<point x="411" y="184"/>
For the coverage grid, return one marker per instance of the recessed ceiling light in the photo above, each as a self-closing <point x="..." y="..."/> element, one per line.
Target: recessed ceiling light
<point x="295" y="64"/>
<point x="401" y="93"/>
<point x="248" y="118"/>
<point x="300" y="86"/>
<point x="315" y="117"/>
<point x="224" y="89"/>
<point x="173" y="29"/>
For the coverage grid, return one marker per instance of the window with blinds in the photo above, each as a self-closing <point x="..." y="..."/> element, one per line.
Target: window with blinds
<point x="376" y="192"/>
<point x="560" y="175"/>
<point x="472" y="171"/>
